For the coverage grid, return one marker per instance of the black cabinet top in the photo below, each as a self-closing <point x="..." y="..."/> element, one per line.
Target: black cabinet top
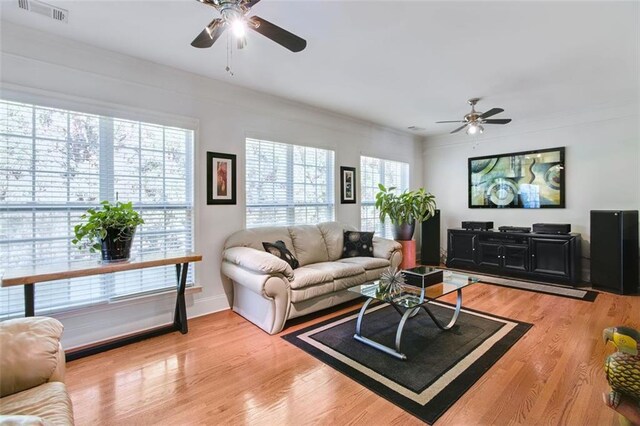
<point x="495" y="232"/>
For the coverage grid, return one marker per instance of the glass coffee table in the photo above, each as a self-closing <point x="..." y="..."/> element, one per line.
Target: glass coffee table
<point x="408" y="303"/>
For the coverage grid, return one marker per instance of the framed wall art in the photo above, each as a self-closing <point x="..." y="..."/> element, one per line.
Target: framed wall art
<point x="221" y="178"/>
<point x="347" y="185"/>
<point x="528" y="180"/>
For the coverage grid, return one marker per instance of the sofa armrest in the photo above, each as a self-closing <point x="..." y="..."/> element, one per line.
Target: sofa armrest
<point x="31" y="353"/>
<point x="258" y="261"/>
<point x="385" y="248"/>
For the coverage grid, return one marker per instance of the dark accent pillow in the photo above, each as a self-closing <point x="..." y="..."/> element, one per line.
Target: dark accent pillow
<point x="357" y="244"/>
<point x="279" y="249"/>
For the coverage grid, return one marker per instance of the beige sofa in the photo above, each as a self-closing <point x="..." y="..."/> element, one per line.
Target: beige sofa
<point x="268" y="292"/>
<point x="32" y="366"/>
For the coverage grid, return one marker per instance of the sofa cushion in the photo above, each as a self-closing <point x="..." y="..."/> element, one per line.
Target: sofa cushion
<point x="308" y="244"/>
<point x="49" y="401"/>
<point x="305" y="277"/>
<point x="338" y="269"/>
<point x="346" y="282"/>
<point x="357" y="243"/>
<point x="367" y="262"/>
<point x="374" y="274"/>
<point x="306" y="293"/>
<point x="332" y="232"/>
<point x="279" y="249"/>
<point x="254" y="237"/>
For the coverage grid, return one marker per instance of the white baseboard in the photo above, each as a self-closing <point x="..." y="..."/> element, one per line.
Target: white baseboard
<point x="105" y="322"/>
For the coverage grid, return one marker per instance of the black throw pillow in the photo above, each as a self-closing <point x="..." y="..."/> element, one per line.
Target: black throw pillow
<point x="357" y="244"/>
<point x="279" y="249"/>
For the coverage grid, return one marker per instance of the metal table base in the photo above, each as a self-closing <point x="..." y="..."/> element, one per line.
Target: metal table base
<point x="408" y="313"/>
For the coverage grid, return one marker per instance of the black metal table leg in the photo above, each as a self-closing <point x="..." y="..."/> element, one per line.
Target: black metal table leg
<point x="29" y="301"/>
<point x="180" y="315"/>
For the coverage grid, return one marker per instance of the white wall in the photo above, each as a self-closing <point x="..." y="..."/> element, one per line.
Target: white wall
<point x="602" y="162"/>
<point x="61" y="72"/>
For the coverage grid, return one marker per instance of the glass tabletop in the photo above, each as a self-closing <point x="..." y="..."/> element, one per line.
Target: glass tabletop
<point x="413" y="296"/>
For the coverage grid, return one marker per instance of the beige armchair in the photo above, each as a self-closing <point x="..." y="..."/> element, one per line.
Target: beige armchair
<point x="32" y="366"/>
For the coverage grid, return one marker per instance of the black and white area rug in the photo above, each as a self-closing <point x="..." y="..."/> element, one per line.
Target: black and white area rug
<point x="440" y="367"/>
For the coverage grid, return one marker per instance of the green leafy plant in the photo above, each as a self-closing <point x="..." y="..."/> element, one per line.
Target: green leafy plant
<point x="118" y="216"/>
<point x="406" y="207"/>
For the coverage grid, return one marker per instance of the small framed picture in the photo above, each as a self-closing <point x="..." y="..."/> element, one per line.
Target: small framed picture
<point x="221" y="178"/>
<point x="347" y="185"/>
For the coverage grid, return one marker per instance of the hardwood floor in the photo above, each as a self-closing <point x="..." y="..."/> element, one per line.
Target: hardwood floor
<point x="227" y="371"/>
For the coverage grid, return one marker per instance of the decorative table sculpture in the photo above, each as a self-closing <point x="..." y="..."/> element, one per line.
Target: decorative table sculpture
<point x="391" y="281"/>
<point x="623" y="373"/>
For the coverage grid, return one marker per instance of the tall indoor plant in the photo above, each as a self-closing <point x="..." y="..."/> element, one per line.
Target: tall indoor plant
<point x="109" y="229"/>
<point x="404" y="209"/>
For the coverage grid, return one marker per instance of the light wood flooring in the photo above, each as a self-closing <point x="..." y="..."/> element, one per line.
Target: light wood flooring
<point x="228" y="371"/>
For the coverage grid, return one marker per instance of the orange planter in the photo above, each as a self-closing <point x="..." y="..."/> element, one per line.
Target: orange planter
<point x="408" y="254"/>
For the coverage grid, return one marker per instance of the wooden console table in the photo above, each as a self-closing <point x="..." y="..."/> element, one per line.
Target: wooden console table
<point x="31" y="276"/>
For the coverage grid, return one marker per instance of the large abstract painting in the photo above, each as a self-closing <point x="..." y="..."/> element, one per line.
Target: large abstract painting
<point x="530" y="180"/>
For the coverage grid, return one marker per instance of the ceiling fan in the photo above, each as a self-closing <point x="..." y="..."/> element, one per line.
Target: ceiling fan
<point x="234" y="15"/>
<point x="475" y="119"/>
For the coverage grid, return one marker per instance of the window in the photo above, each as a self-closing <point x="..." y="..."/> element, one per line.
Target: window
<point x="374" y="171"/>
<point x="288" y="184"/>
<point x="54" y="164"/>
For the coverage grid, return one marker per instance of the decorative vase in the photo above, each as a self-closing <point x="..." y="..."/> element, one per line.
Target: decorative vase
<point x="404" y="231"/>
<point x="116" y="245"/>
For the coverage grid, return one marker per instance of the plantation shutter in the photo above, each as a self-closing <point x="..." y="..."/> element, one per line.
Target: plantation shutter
<point x="54" y="164"/>
<point x="288" y="184"/>
<point x="374" y="171"/>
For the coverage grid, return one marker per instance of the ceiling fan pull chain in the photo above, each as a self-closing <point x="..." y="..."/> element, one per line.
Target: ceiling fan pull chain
<point x="229" y="56"/>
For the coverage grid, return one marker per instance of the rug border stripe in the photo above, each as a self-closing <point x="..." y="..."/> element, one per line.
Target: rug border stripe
<point x="439" y="403"/>
<point x="419" y="396"/>
<point x="590" y="295"/>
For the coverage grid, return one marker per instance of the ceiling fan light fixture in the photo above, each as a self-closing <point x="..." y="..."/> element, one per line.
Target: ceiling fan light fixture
<point x="475" y="128"/>
<point x="241" y="42"/>
<point x="239" y="28"/>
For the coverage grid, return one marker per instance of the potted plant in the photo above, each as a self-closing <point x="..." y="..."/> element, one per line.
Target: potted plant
<point x="109" y="229"/>
<point x="404" y="209"/>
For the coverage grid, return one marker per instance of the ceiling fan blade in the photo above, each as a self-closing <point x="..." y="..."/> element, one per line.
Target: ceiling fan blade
<point x="459" y="128"/>
<point x="209" y="35"/>
<point x="497" y="121"/>
<point x="492" y="112"/>
<point x="454" y="121"/>
<point x="250" y="3"/>
<point x="277" y="34"/>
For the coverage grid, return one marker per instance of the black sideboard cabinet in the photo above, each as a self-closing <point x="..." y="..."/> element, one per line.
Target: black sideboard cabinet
<point x="541" y="257"/>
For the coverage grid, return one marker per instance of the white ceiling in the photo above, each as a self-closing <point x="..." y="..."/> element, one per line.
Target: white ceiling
<point x="390" y="62"/>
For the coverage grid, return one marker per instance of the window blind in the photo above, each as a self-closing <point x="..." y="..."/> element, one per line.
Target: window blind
<point x="288" y="184"/>
<point x="54" y="164"/>
<point x="374" y="171"/>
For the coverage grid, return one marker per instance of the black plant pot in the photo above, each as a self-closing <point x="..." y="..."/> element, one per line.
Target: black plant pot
<point x="116" y="246"/>
<point x="404" y="231"/>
